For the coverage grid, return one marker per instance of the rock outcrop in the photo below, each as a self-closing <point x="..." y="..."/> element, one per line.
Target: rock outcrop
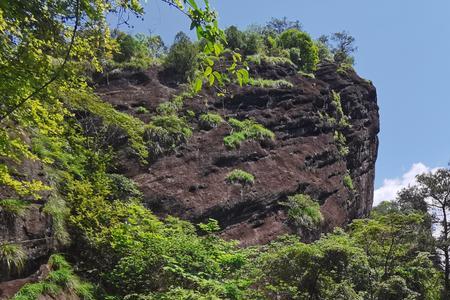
<point x="190" y="182"/>
<point x="31" y="229"/>
<point x="304" y="157"/>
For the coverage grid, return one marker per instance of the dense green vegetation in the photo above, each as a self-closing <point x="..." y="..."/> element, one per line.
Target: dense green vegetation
<point x="61" y="278"/>
<point x="240" y="176"/>
<point x="48" y="56"/>
<point x="246" y="130"/>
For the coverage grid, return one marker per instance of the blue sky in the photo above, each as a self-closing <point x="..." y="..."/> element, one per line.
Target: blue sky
<point x="404" y="48"/>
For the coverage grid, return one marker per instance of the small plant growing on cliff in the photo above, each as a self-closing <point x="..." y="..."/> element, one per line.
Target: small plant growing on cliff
<point x="303" y="211"/>
<point x="267" y="83"/>
<point x="13" y="207"/>
<point x="123" y="188"/>
<point x="61" y="277"/>
<point x="210" y="120"/>
<point x="348" y="182"/>
<point x="240" y="176"/>
<point x="259" y="59"/>
<point x="166" y="132"/>
<point x="13" y="256"/>
<point x="210" y="227"/>
<point x="341" y="143"/>
<point x="336" y="100"/>
<point x="57" y="208"/>
<point x="246" y="130"/>
<point x="141" y="110"/>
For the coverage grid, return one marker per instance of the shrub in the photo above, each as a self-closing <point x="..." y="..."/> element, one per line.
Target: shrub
<point x="182" y="58"/>
<point x="341" y="143"/>
<point x="141" y="110"/>
<point x="57" y="208"/>
<point x="348" y="182"/>
<point x="246" y="130"/>
<point x="13" y="256"/>
<point x="269" y="60"/>
<point x="13" y="207"/>
<point x="123" y="188"/>
<point x="303" y="211"/>
<point x="268" y="83"/>
<point x="60" y="278"/>
<point x="336" y="100"/>
<point x="307" y="53"/>
<point x="240" y="176"/>
<point x="210" y="120"/>
<point x="165" y="133"/>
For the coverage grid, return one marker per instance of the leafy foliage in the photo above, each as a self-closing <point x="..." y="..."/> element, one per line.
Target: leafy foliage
<point x="339" y="46"/>
<point x="269" y="60"/>
<point x="61" y="278"/>
<point x="278" y="26"/>
<point x="210" y="120"/>
<point x="341" y="143"/>
<point x="240" y="176"/>
<point x="123" y="188"/>
<point x="13" y="207"/>
<point x="306" y="57"/>
<point x="46" y="113"/>
<point x="348" y="182"/>
<point x="139" y="50"/>
<point x="182" y="59"/>
<point x="267" y="83"/>
<point x="246" y="130"/>
<point x="303" y="211"/>
<point x="342" y="118"/>
<point x="13" y="256"/>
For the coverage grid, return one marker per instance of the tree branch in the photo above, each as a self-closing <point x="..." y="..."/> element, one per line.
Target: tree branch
<point x="57" y="73"/>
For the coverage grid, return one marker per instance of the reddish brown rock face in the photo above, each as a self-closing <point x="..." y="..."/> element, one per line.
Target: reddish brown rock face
<point x="191" y="183"/>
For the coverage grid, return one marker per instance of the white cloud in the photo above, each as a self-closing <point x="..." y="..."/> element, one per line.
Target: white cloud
<point x="388" y="191"/>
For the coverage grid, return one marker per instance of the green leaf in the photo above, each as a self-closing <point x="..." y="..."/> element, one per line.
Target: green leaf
<point x="239" y="78"/>
<point x="209" y="61"/>
<point x="243" y="74"/>
<point x="218" y="76"/>
<point x="198" y="85"/>
<point x="211" y="79"/>
<point x="208" y="71"/>
<point x="192" y="3"/>
<point x="217" y="49"/>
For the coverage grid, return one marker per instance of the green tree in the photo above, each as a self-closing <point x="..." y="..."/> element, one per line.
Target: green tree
<point x="307" y="55"/>
<point x="390" y="240"/>
<point x="277" y="25"/>
<point x="235" y="38"/>
<point x="182" y="60"/>
<point x="339" y="45"/>
<point x="436" y="187"/>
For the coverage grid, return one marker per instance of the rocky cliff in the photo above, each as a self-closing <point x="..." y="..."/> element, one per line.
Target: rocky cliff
<point x="305" y="157"/>
<point x="308" y="155"/>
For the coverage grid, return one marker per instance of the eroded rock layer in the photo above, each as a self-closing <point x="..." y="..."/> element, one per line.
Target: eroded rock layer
<point x="304" y="157"/>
